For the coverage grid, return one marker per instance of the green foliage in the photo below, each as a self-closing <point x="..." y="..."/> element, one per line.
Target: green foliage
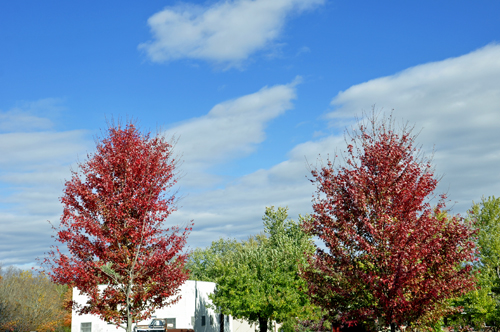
<point x="477" y="308"/>
<point x="202" y="262"/>
<point x="487" y="215"/>
<point x="258" y="279"/>
<point x="482" y="306"/>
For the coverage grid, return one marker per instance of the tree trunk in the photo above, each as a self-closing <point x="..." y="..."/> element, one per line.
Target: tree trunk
<point x="129" y="323"/>
<point x="221" y="317"/>
<point x="393" y="327"/>
<point x="129" y="315"/>
<point x="262" y="324"/>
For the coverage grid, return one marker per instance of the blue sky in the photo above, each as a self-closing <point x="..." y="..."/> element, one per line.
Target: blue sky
<point x="251" y="89"/>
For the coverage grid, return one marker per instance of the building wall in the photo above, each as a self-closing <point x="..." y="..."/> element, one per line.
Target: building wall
<point x="188" y="311"/>
<point x="243" y="326"/>
<point x="240" y="325"/>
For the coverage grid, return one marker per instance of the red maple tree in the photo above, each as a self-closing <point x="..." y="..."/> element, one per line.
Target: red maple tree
<point x="115" y="206"/>
<point x="390" y="258"/>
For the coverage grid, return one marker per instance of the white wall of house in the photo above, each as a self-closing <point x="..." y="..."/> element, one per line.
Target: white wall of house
<point x="244" y="326"/>
<point x="188" y="312"/>
<point x="240" y="325"/>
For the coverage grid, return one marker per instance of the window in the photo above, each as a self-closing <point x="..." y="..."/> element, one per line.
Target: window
<point x="170" y="323"/>
<point x="86" y="327"/>
<point x="202" y="321"/>
<point x="157" y="323"/>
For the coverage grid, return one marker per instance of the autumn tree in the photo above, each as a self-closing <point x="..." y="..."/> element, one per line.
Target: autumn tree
<point x="30" y="302"/>
<point x="260" y="282"/>
<point x="115" y="207"/>
<point x="388" y="259"/>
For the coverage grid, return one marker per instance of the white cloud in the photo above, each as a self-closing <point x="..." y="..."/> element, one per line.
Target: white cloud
<point x="24" y="118"/>
<point x="456" y="101"/>
<point x="16" y="120"/>
<point x="236" y="210"/>
<point x="228" y="31"/>
<point x="230" y="130"/>
<point x="34" y="163"/>
<point x="23" y="151"/>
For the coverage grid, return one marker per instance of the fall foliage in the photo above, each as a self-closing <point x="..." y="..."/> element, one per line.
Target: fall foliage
<point x="31" y="302"/>
<point x="389" y="259"/>
<point x="115" y="207"/>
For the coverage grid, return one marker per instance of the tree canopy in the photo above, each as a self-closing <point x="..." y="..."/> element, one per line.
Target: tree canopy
<point x="482" y="306"/>
<point x="389" y="258"/>
<point x="115" y="207"/>
<point x="258" y="279"/>
<point x="31" y="302"/>
<point x="202" y="262"/>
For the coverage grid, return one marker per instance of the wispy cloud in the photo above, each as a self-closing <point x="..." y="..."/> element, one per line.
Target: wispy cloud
<point x="34" y="161"/>
<point x="16" y="120"/>
<point x="35" y="164"/>
<point x="456" y="103"/>
<point x="27" y="151"/>
<point x="226" y="32"/>
<point x="29" y="116"/>
<point x="230" y="130"/>
<point x="236" y="209"/>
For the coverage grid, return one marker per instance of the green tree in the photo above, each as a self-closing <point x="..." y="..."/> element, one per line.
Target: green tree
<point x="487" y="216"/>
<point x="260" y="281"/>
<point x="202" y="262"/>
<point x="482" y="306"/>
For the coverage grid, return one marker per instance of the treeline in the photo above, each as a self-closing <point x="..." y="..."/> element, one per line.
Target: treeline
<point x="259" y="279"/>
<point x="387" y="259"/>
<point x="30" y="301"/>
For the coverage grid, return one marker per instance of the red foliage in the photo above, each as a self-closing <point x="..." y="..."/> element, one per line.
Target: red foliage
<point x="114" y="210"/>
<point x="389" y="257"/>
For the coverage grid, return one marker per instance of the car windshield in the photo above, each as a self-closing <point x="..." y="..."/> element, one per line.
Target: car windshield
<point x="157" y="322"/>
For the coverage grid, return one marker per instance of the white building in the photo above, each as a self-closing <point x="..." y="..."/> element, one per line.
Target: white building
<point x="190" y="312"/>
